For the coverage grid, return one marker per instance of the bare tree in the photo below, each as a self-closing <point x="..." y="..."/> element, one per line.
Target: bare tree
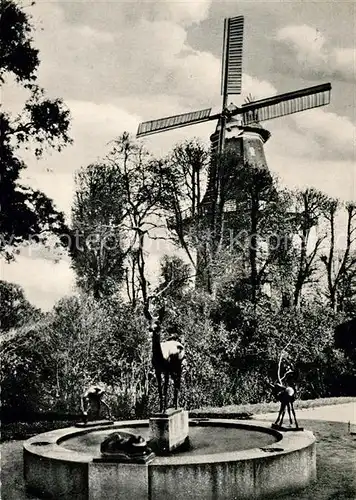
<point x="184" y="174"/>
<point x="131" y="282"/>
<point x="142" y="192"/>
<point x="310" y="204"/>
<point x="340" y="264"/>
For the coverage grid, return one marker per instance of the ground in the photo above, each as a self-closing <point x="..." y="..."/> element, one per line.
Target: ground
<point x="336" y="463"/>
<point x="336" y="456"/>
<point x="336" y="451"/>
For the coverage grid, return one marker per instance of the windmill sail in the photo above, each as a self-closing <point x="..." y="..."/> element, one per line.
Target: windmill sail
<point x="285" y="104"/>
<point x="232" y="56"/>
<point x="172" y="122"/>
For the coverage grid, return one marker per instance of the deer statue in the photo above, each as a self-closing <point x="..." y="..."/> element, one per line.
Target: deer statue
<point x="285" y="394"/>
<point x="168" y="357"/>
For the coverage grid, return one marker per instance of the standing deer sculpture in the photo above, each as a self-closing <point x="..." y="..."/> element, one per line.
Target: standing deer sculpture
<point x="285" y="394"/>
<point x="167" y="356"/>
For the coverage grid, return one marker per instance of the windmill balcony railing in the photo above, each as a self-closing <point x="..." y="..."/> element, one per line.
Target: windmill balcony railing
<point x="187" y="216"/>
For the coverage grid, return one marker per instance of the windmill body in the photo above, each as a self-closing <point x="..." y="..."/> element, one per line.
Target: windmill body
<point x="246" y="144"/>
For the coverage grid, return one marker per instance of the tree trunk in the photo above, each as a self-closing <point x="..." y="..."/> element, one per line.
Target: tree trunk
<point x="253" y="246"/>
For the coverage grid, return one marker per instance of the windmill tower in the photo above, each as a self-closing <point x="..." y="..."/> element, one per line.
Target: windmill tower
<point x="238" y="132"/>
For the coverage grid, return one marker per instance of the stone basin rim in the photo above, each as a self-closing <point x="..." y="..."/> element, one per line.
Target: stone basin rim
<point x="289" y="442"/>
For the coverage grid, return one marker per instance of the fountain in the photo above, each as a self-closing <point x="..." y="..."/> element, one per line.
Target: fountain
<point x="170" y="455"/>
<point x="227" y="459"/>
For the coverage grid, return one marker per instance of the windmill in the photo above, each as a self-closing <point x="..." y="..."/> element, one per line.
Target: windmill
<point x="239" y="135"/>
<point x="238" y="127"/>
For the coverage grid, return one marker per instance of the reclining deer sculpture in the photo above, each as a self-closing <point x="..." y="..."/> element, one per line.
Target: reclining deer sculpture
<point x="167" y="357"/>
<point x="286" y="395"/>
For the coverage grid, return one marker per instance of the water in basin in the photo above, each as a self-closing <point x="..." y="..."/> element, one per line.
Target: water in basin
<point x="203" y="439"/>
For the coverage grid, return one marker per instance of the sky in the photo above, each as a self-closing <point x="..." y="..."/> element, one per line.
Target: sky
<point x="118" y="63"/>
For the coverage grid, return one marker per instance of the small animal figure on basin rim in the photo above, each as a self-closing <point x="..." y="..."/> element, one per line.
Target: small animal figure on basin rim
<point x="285" y="393"/>
<point x="92" y="400"/>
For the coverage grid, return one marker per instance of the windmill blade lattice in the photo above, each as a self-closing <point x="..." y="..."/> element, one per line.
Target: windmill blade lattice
<point x="231" y="77"/>
<point x="285" y="104"/>
<point x="173" y="122"/>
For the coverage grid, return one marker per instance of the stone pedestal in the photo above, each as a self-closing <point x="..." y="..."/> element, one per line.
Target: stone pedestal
<point x="169" y="430"/>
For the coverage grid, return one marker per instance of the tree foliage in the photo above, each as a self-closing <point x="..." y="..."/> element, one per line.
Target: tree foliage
<point x="176" y="276"/>
<point x="42" y="123"/>
<point x="97" y="238"/>
<point x="257" y="235"/>
<point x="18" y="56"/>
<point x="47" y="364"/>
<point x="15" y="309"/>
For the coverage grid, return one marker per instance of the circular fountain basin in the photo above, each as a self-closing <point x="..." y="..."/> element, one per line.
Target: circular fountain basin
<point x="228" y="459"/>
